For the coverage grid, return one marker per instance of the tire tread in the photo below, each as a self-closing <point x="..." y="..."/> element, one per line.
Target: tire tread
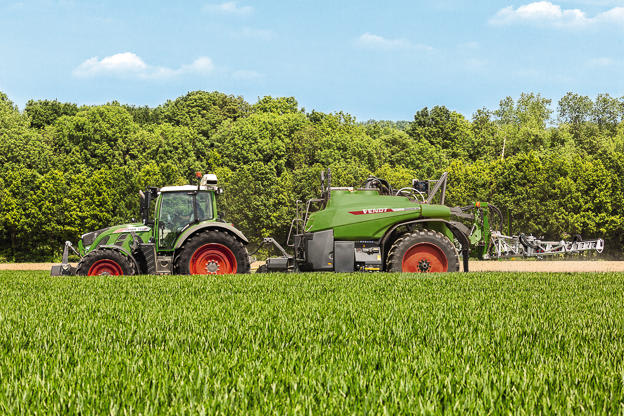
<point x="401" y="244"/>
<point x="87" y="261"/>
<point x="211" y="236"/>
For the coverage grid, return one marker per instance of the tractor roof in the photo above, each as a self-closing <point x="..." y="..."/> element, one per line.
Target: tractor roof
<point x="186" y="188"/>
<point x="208" y="183"/>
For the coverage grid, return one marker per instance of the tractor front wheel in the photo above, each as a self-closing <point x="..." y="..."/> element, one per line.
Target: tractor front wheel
<point x="423" y="251"/>
<point x="212" y="252"/>
<point x="105" y="262"/>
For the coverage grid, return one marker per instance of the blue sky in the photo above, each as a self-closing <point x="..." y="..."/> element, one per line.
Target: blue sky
<point x="381" y="60"/>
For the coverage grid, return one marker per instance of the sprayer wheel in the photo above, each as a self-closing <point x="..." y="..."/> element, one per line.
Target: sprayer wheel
<point x="212" y="252"/>
<point x="423" y="251"/>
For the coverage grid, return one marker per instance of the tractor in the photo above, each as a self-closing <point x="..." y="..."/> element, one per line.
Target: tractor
<point x="184" y="236"/>
<point x="375" y="228"/>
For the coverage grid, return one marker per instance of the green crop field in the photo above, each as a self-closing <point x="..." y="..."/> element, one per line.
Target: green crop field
<point x="312" y="344"/>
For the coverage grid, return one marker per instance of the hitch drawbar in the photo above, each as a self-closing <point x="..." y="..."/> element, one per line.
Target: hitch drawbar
<point x="64" y="269"/>
<point x="285" y="263"/>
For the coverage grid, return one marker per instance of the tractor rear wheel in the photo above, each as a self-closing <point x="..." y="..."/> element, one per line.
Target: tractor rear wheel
<point x="212" y="252"/>
<point x="423" y="251"/>
<point x="105" y="262"/>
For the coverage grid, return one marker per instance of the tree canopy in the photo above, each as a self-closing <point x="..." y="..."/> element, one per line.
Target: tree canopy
<point x="68" y="169"/>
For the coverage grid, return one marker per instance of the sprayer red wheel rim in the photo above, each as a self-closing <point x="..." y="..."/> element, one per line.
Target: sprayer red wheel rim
<point x="105" y="267"/>
<point x="213" y="258"/>
<point x="424" y="258"/>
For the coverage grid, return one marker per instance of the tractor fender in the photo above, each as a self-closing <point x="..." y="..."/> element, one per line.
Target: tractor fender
<point x="210" y="226"/>
<point x="459" y="230"/>
<point x="125" y="253"/>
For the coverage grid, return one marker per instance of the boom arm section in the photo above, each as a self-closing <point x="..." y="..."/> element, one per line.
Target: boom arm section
<point x="529" y="246"/>
<point x="490" y="243"/>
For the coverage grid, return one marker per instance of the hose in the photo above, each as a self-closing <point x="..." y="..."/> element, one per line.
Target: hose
<point x="381" y="184"/>
<point x="499" y="214"/>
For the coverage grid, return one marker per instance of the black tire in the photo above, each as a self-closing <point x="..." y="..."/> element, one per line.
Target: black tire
<point x="105" y="262"/>
<point x="262" y="269"/>
<point x="426" y="250"/>
<point x="212" y="251"/>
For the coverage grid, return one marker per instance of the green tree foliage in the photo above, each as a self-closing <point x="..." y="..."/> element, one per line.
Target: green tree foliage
<point x="44" y="113"/>
<point x="340" y="140"/>
<point x="575" y="109"/>
<point x="441" y="127"/>
<point x="144" y="114"/>
<point x="279" y="105"/>
<point x="524" y="124"/>
<point x="257" y="199"/>
<point x="400" y="150"/>
<point x="486" y="139"/>
<point x="67" y="169"/>
<point x="261" y="137"/>
<point x="607" y="112"/>
<point x="204" y="111"/>
<point x="95" y="137"/>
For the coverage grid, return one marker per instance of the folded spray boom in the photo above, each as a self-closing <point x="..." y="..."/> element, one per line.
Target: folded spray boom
<point x="490" y="243"/>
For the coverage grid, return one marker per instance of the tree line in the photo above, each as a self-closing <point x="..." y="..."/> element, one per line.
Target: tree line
<point x="68" y="169"/>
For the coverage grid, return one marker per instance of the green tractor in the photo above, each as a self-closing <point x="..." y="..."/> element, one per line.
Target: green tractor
<point x="375" y="228"/>
<point x="185" y="236"/>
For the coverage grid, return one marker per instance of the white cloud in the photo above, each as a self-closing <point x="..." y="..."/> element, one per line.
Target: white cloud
<point x="128" y="64"/>
<point x="202" y="65"/>
<point x="229" y="7"/>
<point x="121" y="63"/>
<point x="379" y="42"/>
<point x="547" y="13"/>
<point x="614" y="15"/>
<point x="369" y="40"/>
<point x="540" y="12"/>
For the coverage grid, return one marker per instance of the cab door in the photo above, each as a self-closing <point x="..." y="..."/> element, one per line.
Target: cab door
<point x="175" y="213"/>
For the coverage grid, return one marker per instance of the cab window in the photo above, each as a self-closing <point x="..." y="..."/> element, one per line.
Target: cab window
<point x="176" y="213"/>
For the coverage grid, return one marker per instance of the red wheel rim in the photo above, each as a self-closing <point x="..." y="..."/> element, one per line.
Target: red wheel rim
<point x="424" y="258"/>
<point x="105" y="268"/>
<point x="213" y="259"/>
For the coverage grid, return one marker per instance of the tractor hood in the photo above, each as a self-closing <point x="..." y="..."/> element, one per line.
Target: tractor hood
<point x="117" y="235"/>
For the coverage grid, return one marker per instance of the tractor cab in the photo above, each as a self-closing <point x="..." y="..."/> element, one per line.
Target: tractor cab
<point x="176" y="208"/>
